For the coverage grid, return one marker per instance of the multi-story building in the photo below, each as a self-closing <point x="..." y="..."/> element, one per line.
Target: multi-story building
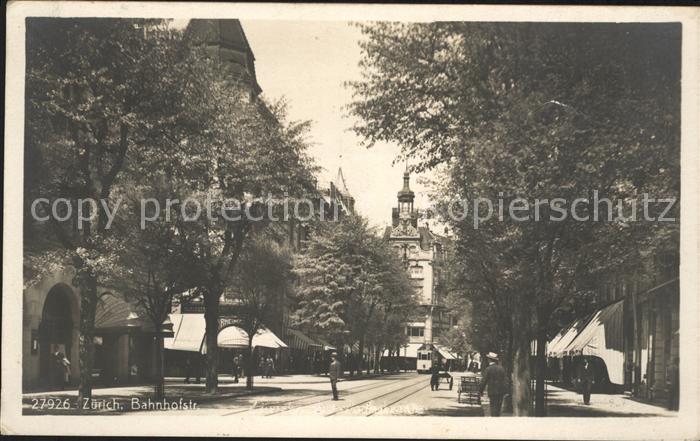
<point x="423" y="254"/>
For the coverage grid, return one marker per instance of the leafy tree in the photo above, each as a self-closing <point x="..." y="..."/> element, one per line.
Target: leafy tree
<point x="532" y="111"/>
<point x="350" y="279"/>
<point x="261" y="280"/>
<point x="87" y="108"/>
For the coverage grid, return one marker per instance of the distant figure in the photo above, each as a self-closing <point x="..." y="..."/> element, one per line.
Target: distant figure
<point x="269" y="367"/>
<point x="674" y="382"/>
<point x="63" y="367"/>
<point x="434" y="377"/>
<point x="191" y="369"/>
<point x="473" y="367"/>
<point x="586" y="378"/>
<point x="335" y="371"/>
<point x="496" y="379"/>
<point x="236" y="368"/>
<point x="134" y="372"/>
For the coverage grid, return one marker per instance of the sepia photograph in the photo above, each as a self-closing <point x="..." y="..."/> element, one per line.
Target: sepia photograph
<point x="434" y="217"/>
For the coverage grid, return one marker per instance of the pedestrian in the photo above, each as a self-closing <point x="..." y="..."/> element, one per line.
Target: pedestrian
<point x="191" y="369"/>
<point x="674" y="383"/>
<point x="335" y="371"/>
<point x="63" y="365"/>
<point x="261" y="366"/>
<point x="269" y="366"/>
<point x="586" y="378"/>
<point x="236" y="368"/>
<point x="495" y="378"/>
<point x="434" y="377"/>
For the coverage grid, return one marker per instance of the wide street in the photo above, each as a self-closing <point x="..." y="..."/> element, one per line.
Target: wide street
<point x="400" y="394"/>
<point x="395" y="394"/>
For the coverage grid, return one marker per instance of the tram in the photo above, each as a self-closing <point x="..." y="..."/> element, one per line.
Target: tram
<point x="429" y="354"/>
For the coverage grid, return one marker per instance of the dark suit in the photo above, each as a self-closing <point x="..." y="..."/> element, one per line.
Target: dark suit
<point x="497" y="381"/>
<point x="335" y="372"/>
<point x="586" y="382"/>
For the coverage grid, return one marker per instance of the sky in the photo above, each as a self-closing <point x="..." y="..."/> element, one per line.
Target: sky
<point x="307" y="63"/>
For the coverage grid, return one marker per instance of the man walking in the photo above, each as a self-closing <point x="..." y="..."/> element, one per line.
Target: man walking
<point x="673" y="385"/>
<point x="434" y="376"/>
<point x="586" y="381"/>
<point x="496" y="380"/>
<point x="334" y="372"/>
<point x="236" y="368"/>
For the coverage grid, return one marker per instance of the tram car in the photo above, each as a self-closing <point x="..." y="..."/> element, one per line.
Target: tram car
<point x="429" y="354"/>
<point x="424" y="360"/>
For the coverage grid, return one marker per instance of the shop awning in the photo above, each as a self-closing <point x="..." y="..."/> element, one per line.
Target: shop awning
<point x="188" y="330"/>
<point x="326" y="346"/>
<point x="410" y="350"/>
<point x="298" y="340"/>
<point x="602" y="337"/>
<point x="445" y="353"/>
<point x="557" y="349"/>
<point x="235" y="337"/>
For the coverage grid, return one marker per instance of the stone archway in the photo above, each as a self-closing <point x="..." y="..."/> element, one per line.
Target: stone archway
<point x="56" y="332"/>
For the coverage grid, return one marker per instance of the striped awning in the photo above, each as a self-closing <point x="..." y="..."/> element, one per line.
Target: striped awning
<point x="235" y="337"/>
<point x="557" y="349"/>
<point x="602" y="337"/>
<point x="326" y="346"/>
<point x="114" y="312"/>
<point x="446" y="353"/>
<point x="298" y="340"/>
<point x="188" y="330"/>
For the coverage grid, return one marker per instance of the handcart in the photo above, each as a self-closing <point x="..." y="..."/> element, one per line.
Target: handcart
<point x="468" y="391"/>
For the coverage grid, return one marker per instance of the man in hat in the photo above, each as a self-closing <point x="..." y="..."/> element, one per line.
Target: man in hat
<point x="496" y="380"/>
<point x="586" y="378"/>
<point x="334" y="372"/>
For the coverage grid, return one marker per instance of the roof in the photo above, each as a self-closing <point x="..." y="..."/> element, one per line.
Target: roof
<point x="406" y="191"/>
<point x="229" y="34"/>
<point x="113" y="312"/>
<point x="340" y="183"/>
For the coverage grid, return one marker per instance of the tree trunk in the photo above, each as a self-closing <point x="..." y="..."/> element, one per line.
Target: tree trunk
<point x="521" y="377"/>
<point x="86" y="348"/>
<point x="360" y="355"/>
<point x="159" y="389"/>
<point x="540" y="373"/>
<point x="377" y="359"/>
<point x="250" y="364"/>
<point x="211" y="319"/>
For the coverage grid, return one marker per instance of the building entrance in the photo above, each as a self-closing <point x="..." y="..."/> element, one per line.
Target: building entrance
<point x="55" y="335"/>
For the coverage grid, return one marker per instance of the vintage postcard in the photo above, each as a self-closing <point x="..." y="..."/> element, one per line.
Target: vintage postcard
<point x="371" y="221"/>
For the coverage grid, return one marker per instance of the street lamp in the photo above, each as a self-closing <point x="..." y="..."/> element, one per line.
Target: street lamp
<point x="164" y="330"/>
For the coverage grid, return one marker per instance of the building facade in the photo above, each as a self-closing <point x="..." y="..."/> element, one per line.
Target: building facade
<point x="423" y="254"/>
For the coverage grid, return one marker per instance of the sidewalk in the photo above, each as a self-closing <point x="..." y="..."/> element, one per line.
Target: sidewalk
<point x="566" y="403"/>
<point x="111" y="400"/>
<point x="129" y="398"/>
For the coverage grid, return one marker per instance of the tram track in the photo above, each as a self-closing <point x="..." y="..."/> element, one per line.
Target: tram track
<point x="346" y="392"/>
<point x="420" y="383"/>
<point x="396" y="401"/>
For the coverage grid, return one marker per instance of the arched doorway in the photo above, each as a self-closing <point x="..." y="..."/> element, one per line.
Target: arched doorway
<point x="55" y="333"/>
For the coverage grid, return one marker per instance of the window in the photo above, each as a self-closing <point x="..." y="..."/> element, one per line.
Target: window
<point x="415" y="331"/>
<point x="417" y="271"/>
